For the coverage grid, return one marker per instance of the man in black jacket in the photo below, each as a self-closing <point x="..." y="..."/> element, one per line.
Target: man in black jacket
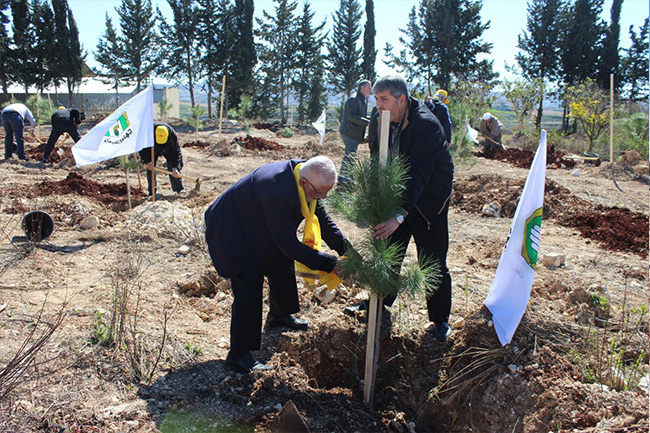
<point x="438" y="106"/>
<point x="417" y="136"/>
<point x="63" y="120"/>
<point x="166" y="144"/>
<point x="355" y="120"/>
<point x="251" y="234"/>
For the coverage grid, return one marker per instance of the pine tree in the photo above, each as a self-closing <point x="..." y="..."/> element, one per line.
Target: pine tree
<point x="5" y="53"/>
<point x="634" y="64"/>
<point x="182" y="43"/>
<point x="309" y="64"/>
<point x="369" y="52"/>
<point x="139" y="38"/>
<point x="277" y="52"/>
<point x="245" y="56"/>
<point x="609" y="56"/>
<point x="22" y="53"/>
<point x="74" y="57"/>
<point x="110" y="55"/>
<point x="344" y="53"/>
<point x="44" y="56"/>
<point x="539" y="53"/>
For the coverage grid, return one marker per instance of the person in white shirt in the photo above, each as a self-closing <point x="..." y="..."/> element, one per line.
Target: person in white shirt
<point x="13" y="120"/>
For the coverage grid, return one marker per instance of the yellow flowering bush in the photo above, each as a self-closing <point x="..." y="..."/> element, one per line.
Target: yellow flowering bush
<point x="588" y="104"/>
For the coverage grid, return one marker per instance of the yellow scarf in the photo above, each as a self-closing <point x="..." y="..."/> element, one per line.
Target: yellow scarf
<point x="312" y="238"/>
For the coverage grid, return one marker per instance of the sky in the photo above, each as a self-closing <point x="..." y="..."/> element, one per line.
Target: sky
<point x="507" y="21"/>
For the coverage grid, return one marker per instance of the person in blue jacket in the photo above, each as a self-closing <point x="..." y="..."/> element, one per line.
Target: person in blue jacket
<point x="417" y="136"/>
<point x="251" y="234"/>
<point x="438" y="106"/>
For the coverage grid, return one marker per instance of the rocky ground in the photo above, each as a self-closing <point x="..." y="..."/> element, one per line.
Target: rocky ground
<point x="578" y="361"/>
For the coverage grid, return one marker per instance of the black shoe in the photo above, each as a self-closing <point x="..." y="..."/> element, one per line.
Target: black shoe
<point x="245" y="363"/>
<point x="352" y="309"/>
<point x="288" y="321"/>
<point x="441" y="330"/>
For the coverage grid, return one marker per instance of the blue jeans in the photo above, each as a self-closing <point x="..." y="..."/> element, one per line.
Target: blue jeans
<point x="351" y="146"/>
<point x="14" y="125"/>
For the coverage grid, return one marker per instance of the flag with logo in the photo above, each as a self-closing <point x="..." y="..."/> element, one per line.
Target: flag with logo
<point x="127" y="130"/>
<point x="513" y="280"/>
<point x="320" y="125"/>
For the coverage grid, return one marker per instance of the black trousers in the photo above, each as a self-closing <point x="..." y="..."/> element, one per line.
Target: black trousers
<point x="246" y="316"/>
<point x="176" y="182"/>
<point x="433" y="242"/>
<point x="57" y="130"/>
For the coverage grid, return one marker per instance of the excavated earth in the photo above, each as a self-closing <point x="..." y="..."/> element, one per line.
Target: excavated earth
<point x="578" y="361"/>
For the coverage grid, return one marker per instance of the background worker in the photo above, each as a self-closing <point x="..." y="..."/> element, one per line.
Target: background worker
<point x="438" y="106"/>
<point x="355" y="120"/>
<point x="492" y="129"/>
<point x="417" y="137"/>
<point x="166" y="144"/>
<point x="251" y="234"/>
<point x="13" y="121"/>
<point x="63" y="120"/>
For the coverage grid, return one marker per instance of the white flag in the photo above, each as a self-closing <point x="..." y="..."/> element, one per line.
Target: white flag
<point x="510" y="290"/>
<point x="320" y="125"/>
<point x="471" y="133"/>
<point x="127" y="130"/>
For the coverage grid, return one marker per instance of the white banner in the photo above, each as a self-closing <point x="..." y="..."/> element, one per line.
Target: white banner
<point x="127" y="130"/>
<point x="320" y="125"/>
<point x="510" y="290"/>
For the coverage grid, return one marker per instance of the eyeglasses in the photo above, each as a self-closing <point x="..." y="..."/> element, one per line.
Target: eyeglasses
<point x="319" y="194"/>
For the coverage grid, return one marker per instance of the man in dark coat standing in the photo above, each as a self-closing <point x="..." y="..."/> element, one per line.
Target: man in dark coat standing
<point x="417" y="136"/>
<point x="166" y="144"/>
<point x="251" y="234"/>
<point x="63" y="120"/>
<point x="438" y="106"/>
<point x="354" y="122"/>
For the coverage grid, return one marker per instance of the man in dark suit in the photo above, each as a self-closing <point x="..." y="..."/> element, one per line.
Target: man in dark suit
<point x="354" y="122"/>
<point x="251" y="233"/>
<point x="63" y="120"/>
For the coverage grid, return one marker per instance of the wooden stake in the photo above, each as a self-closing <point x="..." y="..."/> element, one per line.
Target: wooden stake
<point x="223" y="90"/>
<point x="375" y="303"/>
<point x="128" y="185"/>
<point x="153" y="176"/>
<point x="611" y="117"/>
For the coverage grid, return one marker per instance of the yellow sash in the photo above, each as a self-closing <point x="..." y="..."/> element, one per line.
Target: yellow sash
<point x="312" y="238"/>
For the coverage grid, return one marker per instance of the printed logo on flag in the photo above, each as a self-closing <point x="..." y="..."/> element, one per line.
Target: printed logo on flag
<point x="532" y="232"/>
<point x="120" y="131"/>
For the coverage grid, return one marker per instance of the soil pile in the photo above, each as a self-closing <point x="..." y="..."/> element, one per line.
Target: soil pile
<point x="166" y="219"/>
<point x="257" y="143"/>
<point x="199" y="144"/>
<point x="78" y="185"/>
<point x="524" y="158"/>
<point x="57" y="155"/>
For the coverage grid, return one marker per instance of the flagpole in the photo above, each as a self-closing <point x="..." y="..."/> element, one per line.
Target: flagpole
<point x="611" y="117"/>
<point x="153" y="176"/>
<point x="223" y="89"/>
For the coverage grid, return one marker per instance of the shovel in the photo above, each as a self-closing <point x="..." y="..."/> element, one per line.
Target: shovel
<point x="196" y="180"/>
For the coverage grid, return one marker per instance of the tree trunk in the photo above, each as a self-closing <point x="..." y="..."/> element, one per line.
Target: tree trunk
<point x="538" y="119"/>
<point x="209" y="82"/>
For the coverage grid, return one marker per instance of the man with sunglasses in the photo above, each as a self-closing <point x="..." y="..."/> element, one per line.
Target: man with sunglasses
<point x="251" y="234"/>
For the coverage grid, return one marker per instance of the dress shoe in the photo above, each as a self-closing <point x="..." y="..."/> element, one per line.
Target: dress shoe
<point x="245" y="363"/>
<point x="352" y="309"/>
<point x="441" y="331"/>
<point x="288" y="321"/>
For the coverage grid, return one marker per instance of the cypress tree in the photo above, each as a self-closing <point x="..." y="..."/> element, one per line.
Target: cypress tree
<point x="539" y="53"/>
<point x="245" y="56"/>
<point x="277" y="53"/>
<point x="22" y="53"/>
<point x="344" y="54"/>
<point x="182" y="43"/>
<point x="5" y="53"/>
<point x="609" y="57"/>
<point x="44" y="56"/>
<point x="75" y="57"/>
<point x="634" y="64"/>
<point x="110" y="55"/>
<point x="309" y="64"/>
<point x="369" y="52"/>
<point x="139" y="38"/>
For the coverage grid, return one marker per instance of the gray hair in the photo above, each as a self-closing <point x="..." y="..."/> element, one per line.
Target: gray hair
<point x="321" y="168"/>
<point x="395" y="84"/>
<point x="363" y="83"/>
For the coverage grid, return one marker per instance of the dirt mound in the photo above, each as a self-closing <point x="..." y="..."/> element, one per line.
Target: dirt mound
<point x="524" y="158"/>
<point x="57" y="155"/>
<point x="257" y="143"/>
<point x="614" y="228"/>
<point x="274" y="127"/>
<point x="78" y="185"/>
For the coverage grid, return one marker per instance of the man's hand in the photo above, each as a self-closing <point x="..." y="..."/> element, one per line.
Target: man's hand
<point x="150" y="166"/>
<point x="385" y="229"/>
<point x="176" y="173"/>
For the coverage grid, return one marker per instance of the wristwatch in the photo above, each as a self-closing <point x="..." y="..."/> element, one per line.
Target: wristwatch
<point x="400" y="218"/>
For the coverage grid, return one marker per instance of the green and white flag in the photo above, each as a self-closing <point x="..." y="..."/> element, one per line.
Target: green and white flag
<point x="510" y="290"/>
<point x="127" y="130"/>
<point x="319" y="124"/>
